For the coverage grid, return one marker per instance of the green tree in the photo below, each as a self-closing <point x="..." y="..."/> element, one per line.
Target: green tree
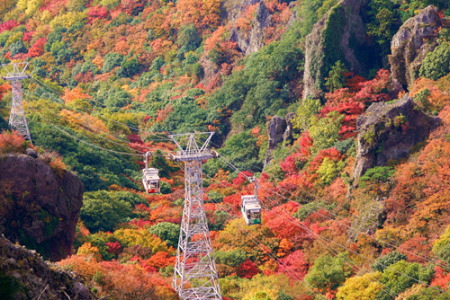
<point x="129" y="68"/>
<point x="328" y="272"/>
<point x="441" y="247"/>
<point x="165" y="188"/>
<point x="402" y="275"/>
<point x="219" y="219"/>
<point x="437" y="63"/>
<point x="386" y="260"/>
<point x="325" y="131"/>
<point x="3" y="124"/>
<point x="117" y="98"/>
<point x="17" y="47"/>
<point x="101" y="212"/>
<point x="329" y="170"/>
<point x="311" y="11"/>
<point x="242" y="150"/>
<point x="157" y="63"/>
<point x="384" y="22"/>
<point x="110" y="4"/>
<point x="159" y="162"/>
<point x="306" y="113"/>
<point x="430" y="293"/>
<point x="336" y="78"/>
<point x="188" y="38"/>
<point x="166" y="231"/>
<point x="99" y="240"/>
<point x="112" y="60"/>
<point x="377" y="175"/>
<point x="215" y="196"/>
<point x="232" y="258"/>
<point x="305" y="210"/>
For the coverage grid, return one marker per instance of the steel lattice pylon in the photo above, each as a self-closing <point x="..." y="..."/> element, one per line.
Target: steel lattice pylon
<point x="195" y="275"/>
<point x="17" y="120"/>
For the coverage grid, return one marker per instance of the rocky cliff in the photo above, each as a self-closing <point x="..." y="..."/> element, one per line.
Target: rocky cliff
<point x="39" y="206"/>
<point x="415" y="38"/>
<point x="388" y="132"/>
<point x="25" y="275"/>
<point x="339" y="35"/>
<point x="250" y="42"/>
<point x="279" y="130"/>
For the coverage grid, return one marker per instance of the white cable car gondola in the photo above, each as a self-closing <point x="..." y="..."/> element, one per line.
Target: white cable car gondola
<point x="251" y="209"/>
<point x="250" y="206"/>
<point x="150" y="177"/>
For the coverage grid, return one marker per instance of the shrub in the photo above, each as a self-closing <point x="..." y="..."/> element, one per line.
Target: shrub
<point x="12" y="142"/>
<point x="437" y="63"/>
<point x="386" y="260"/>
<point x="166" y="231"/>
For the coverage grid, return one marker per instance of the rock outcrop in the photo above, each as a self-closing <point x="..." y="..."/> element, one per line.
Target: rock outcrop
<point x="279" y="130"/>
<point x="39" y="206"/>
<point x="415" y="38"/>
<point x="25" y="275"/>
<point x="388" y="132"/>
<point x="250" y="42"/>
<point x="340" y="33"/>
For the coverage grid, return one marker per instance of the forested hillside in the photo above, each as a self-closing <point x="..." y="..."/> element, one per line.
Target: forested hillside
<point x="341" y="109"/>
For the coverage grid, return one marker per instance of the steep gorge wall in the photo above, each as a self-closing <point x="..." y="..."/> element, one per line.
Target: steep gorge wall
<point x="25" y="275"/>
<point x="39" y="206"/>
<point x="389" y="132"/>
<point x="339" y="34"/>
<point x="415" y="38"/>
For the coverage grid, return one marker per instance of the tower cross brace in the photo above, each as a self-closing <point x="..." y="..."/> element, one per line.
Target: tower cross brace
<point x="17" y="120"/>
<point x="195" y="274"/>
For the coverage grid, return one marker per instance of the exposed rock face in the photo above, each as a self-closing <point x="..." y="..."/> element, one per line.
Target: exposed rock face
<point x="251" y="38"/>
<point x="409" y="46"/>
<point x="279" y="130"/>
<point x="276" y="129"/>
<point x="389" y="131"/>
<point x="25" y="275"/>
<point x="329" y="40"/>
<point x="251" y="42"/>
<point x="38" y="207"/>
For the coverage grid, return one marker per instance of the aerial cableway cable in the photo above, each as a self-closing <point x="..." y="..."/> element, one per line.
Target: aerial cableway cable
<point x="61" y="101"/>
<point x="273" y="256"/>
<point x="320" y="239"/>
<point x="337" y="244"/>
<point x="345" y="225"/>
<point x="273" y="202"/>
<point x="282" y="196"/>
<point x="60" y="129"/>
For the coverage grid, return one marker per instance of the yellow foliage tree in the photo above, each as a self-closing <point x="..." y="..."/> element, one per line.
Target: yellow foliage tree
<point x="90" y="251"/>
<point x="68" y="19"/>
<point x="141" y="237"/>
<point x="29" y="6"/>
<point x="364" y="287"/>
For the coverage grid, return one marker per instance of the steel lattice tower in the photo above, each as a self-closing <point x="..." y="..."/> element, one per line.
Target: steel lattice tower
<point x="17" y="120"/>
<point x="195" y="275"/>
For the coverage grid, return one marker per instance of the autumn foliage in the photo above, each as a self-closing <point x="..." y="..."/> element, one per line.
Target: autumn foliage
<point x="111" y="79"/>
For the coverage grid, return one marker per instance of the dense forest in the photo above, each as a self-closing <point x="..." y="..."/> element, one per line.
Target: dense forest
<point x="112" y="79"/>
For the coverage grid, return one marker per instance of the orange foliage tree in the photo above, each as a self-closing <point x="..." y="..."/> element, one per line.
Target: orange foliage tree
<point x="12" y="142"/>
<point x="419" y="201"/>
<point x="118" y="281"/>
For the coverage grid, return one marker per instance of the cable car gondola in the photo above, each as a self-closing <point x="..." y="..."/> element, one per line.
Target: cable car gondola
<point x="250" y="206"/>
<point x="150" y="177"/>
<point x="251" y="209"/>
